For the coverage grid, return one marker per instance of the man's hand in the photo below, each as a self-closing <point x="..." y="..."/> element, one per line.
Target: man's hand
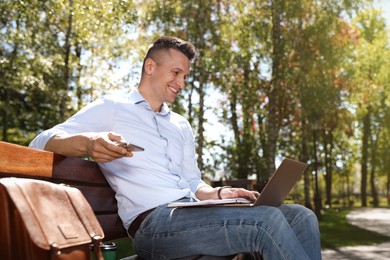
<point x="101" y="147"/>
<point x="227" y="193"/>
<point x="104" y="147"/>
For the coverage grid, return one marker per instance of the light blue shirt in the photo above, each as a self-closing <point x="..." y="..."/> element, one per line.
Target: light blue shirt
<point x="164" y="172"/>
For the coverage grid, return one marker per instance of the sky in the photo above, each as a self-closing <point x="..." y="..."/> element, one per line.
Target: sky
<point x="385" y="6"/>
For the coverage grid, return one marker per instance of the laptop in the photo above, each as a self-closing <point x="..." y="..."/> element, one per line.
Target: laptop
<point x="274" y="193"/>
<point x="281" y="183"/>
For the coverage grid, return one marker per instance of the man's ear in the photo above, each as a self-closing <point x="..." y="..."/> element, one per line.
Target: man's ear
<point x="149" y="66"/>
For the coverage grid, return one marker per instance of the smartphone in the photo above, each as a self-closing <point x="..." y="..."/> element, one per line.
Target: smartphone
<point x="131" y="147"/>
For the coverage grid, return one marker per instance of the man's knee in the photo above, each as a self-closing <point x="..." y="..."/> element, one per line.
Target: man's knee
<point x="295" y="213"/>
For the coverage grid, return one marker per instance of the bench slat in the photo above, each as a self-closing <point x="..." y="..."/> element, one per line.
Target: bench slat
<point x="77" y="170"/>
<point x="23" y="160"/>
<point x="101" y="199"/>
<point x="43" y="164"/>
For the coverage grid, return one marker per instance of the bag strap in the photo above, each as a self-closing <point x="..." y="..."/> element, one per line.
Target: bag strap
<point x="96" y="248"/>
<point x="87" y="217"/>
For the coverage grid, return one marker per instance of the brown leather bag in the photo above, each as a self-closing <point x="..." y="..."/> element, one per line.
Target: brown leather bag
<point x="41" y="220"/>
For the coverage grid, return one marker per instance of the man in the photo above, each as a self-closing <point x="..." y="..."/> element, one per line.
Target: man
<point x="166" y="171"/>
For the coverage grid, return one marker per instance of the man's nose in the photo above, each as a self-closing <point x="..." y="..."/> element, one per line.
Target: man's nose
<point x="180" y="83"/>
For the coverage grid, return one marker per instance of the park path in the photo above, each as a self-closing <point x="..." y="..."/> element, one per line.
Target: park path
<point x="373" y="219"/>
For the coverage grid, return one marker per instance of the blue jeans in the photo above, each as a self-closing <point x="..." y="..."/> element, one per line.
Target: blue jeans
<point x="286" y="232"/>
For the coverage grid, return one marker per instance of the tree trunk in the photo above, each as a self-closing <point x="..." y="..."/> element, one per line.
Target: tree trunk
<point x="246" y="163"/>
<point x="7" y="91"/>
<point x="262" y="174"/>
<point x="199" y="147"/>
<point x="349" y="191"/>
<point x="328" y="148"/>
<point x="374" y="193"/>
<point x="317" y="194"/>
<point x="189" y="103"/>
<point x="5" y="116"/>
<point x="79" y="90"/>
<point x="68" y="36"/>
<point x="388" y="188"/>
<point x="236" y="132"/>
<point x="305" y="158"/>
<point x="277" y="56"/>
<point x="365" y="153"/>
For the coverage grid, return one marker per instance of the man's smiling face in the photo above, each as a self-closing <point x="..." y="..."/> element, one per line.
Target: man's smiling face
<point x="169" y="74"/>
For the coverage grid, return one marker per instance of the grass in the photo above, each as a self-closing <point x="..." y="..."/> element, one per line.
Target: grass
<point x="337" y="232"/>
<point x="124" y="248"/>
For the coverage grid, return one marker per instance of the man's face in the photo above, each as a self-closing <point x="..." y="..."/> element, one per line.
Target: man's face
<point x="169" y="74"/>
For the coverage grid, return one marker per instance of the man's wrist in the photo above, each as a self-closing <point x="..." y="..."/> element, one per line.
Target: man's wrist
<point x="220" y="189"/>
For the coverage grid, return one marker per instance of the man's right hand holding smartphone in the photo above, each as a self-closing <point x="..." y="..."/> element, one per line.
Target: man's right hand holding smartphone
<point x="131" y="147"/>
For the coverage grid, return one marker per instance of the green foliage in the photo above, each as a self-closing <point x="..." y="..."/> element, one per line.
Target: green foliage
<point x="44" y="54"/>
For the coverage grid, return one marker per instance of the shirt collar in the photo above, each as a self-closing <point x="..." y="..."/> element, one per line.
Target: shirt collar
<point x="137" y="99"/>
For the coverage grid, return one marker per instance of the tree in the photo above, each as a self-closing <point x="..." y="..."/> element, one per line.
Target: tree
<point x="44" y="52"/>
<point x="370" y="93"/>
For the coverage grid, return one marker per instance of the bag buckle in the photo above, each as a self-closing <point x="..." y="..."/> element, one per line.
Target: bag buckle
<point x="55" y="249"/>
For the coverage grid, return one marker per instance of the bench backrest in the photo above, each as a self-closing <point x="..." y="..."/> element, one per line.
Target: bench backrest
<point x="21" y="161"/>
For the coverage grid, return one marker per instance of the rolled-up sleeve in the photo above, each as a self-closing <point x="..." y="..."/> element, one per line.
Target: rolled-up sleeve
<point x="40" y="140"/>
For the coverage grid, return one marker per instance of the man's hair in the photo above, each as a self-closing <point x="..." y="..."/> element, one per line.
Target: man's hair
<point x="170" y="42"/>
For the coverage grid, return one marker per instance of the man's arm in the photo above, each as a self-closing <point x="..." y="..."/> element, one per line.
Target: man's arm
<point x="101" y="147"/>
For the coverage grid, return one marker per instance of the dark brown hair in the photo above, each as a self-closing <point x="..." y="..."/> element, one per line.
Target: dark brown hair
<point x="170" y="42"/>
